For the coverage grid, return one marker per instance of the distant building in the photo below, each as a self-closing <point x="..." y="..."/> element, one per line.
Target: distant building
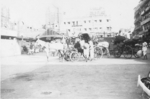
<point x="96" y="23"/>
<point x="93" y="25"/>
<point x="142" y="18"/>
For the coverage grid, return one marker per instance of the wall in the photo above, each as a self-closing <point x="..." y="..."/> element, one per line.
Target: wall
<point x="9" y="48"/>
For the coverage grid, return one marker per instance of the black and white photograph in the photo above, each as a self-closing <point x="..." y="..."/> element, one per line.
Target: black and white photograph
<point x="75" y="49"/>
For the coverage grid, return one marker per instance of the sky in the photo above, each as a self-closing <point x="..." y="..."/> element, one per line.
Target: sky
<point x="33" y="12"/>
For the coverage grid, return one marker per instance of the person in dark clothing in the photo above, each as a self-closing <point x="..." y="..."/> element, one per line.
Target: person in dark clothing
<point x="78" y="47"/>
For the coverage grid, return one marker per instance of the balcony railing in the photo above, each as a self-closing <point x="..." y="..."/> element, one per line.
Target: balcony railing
<point x="142" y="13"/>
<point x="137" y="20"/>
<point x="145" y="21"/>
<point x="145" y="11"/>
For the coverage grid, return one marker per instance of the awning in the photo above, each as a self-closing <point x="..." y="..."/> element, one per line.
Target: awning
<point x="48" y="38"/>
<point x="55" y="36"/>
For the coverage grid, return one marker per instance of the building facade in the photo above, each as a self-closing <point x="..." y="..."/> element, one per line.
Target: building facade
<point x="142" y="18"/>
<point x="94" y="22"/>
<point x="93" y="25"/>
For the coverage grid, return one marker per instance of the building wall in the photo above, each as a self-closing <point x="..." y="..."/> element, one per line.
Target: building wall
<point x="142" y="18"/>
<point x="146" y="17"/>
<point x="9" y="47"/>
<point x="99" y="25"/>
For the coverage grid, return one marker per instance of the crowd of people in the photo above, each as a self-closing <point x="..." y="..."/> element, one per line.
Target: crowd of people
<point x="84" y="45"/>
<point x="30" y="48"/>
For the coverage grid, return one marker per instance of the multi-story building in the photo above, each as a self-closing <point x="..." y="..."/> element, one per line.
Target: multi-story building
<point x="92" y="25"/>
<point x="142" y="18"/>
<point x="97" y="22"/>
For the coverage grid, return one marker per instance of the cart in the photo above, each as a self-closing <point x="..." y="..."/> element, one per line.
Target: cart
<point x="128" y="48"/>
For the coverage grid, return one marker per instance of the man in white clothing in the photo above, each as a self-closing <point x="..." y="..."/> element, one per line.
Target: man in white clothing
<point x="47" y="50"/>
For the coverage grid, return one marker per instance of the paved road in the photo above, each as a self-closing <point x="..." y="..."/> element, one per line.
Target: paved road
<point x="107" y="78"/>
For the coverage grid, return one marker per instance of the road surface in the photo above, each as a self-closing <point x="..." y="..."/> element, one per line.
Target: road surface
<point x="32" y="77"/>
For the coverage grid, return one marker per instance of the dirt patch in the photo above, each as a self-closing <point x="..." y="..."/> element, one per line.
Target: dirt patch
<point x="46" y="93"/>
<point x="25" y="77"/>
<point x="3" y="91"/>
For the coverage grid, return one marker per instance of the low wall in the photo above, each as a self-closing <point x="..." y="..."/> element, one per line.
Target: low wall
<point x="9" y="47"/>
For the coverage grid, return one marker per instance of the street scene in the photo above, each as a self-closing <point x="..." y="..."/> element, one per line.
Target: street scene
<point x="53" y="49"/>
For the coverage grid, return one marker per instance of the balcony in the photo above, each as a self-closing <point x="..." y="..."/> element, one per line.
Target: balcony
<point x="142" y="13"/>
<point x="145" y="11"/>
<point x="136" y="28"/>
<point x="137" y="20"/>
<point x="145" y="21"/>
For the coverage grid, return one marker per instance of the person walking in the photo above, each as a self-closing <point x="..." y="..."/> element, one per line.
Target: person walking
<point x="31" y="48"/>
<point x="91" y="49"/>
<point x="85" y="45"/>
<point x="144" y="49"/>
<point x="47" y="50"/>
<point x="86" y="50"/>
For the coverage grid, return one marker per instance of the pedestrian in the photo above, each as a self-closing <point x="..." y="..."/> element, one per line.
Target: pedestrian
<point x="91" y="49"/>
<point x="77" y="45"/>
<point x="31" y="48"/>
<point x="85" y="45"/>
<point x="86" y="49"/>
<point x="144" y="50"/>
<point x="47" y="50"/>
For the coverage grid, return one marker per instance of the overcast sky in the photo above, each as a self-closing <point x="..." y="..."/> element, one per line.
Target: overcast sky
<point x="32" y="12"/>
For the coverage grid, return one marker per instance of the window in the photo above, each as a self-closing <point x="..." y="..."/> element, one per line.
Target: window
<point x="77" y="22"/>
<point x="69" y="30"/>
<point x="84" y="21"/>
<point x="100" y="20"/>
<point x="56" y="25"/>
<point x="90" y="29"/>
<point x="95" y="20"/>
<point x="107" y="20"/>
<point x="73" y="23"/>
<point x="68" y="22"/>
<point x="108" y="28"/>
<point x="100" y="28"/>
<point x="89" y="21"/>
<point x="64" y="22"/>
<point x="85" y="29"/>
